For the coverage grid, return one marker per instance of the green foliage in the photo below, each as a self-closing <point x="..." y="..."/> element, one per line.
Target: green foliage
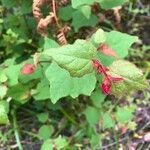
<point x="59" y="142"/>
<point x="120" y="42"/>
<point x="42" y="117"/>
<point x="76" y="3"/>
<point x="108" y="121"/>
<point x="86" y="10"/>
<point x="132" y="77"/>
<point x="97" y="98"/>
<point x="62" y="84"/>
<point x="3" y="90"/>
<point x="92" y="115"/>
<point x="124" y="114"/>
<point x="45" y="131"/>
<point x="107" y="4"/>
<point x="12" y="73"/>
<point x="74" y="58"/>
<point x="65" y="13"/>
<point x="80" y="20"/>
<point x="64" y="91"/>
<point x="98" y="37"/>
<point x="4" y="108"/>
<point x="19" y="93"/>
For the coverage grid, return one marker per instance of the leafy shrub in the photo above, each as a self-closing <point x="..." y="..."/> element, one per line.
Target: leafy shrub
<point x="48" y="68"/>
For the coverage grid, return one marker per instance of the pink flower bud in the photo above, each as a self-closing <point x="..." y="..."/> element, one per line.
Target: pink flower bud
<point x="28" y="69"/>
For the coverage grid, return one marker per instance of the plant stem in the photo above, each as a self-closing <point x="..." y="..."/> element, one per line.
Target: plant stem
<point x="67" y="116"/>
<point x="16" y="131"/>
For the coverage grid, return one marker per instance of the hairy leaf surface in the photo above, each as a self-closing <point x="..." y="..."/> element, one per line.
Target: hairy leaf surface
<point x="76" y="58"/>
<point x="133" y="77"/>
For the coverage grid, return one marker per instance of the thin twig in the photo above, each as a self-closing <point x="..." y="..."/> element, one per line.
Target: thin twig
<point x="112" y="144"/>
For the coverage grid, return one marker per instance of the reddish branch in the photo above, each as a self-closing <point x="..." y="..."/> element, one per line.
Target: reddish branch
<point x="42" y="22"/>
<point x="54" y="11"/>
<point x="51" y="18"/>
<point x="117" y="15"/>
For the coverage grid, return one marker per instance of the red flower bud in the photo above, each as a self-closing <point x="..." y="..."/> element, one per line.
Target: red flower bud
<point x="28" y="69"/>
<point x="106" y="86"/>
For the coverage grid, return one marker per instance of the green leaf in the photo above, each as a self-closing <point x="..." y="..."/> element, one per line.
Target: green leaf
<point x="26" y="6"/>
<point x="108" y="122"/>
<point x="60" y="142"/>
<point x="106" y="60"/>
<point x="12" y="73"/>
<point x="19" y="92"/>
<point x="3" y="91"/>
<point x="37" y="74"/>
<point x="76" y="3"/>
<point x="107" y="4"/>
<point x="92" y="115"/>
<point x="79" y="20"/>
<point x="133" y="78"/>
<point x="3" y="77"/>
<point x="49" y="43"/>
<point x="86" y="10"/>
<point x="9" y="3"/>
<point x="120" y="42"/>
<point x="47" y="145"/>
<point x="42" y="117"/>
<point x="45" y="131"/>
<point x="98" y="98"/>
<point x="62" y="84"/>
<point x="3" y="112"/>
<point x="124" y="114"/>
<point x="95" y="141"/>
<point x="65" y="13"/>
<point x="42" y="91"/>
<point x="74" y="58"/>
<point x="98" y="37"/>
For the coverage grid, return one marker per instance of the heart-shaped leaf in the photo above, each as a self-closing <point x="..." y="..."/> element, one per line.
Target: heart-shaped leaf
<point x="62" y="84"/>
<point x="76" y="58"/>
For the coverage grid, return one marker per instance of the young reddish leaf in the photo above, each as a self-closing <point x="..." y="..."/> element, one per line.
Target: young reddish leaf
<point x="115" y="78"/>
<point x="108" y="78"/>
<point x="28" y="69"/>
<point x="106" y="86"/>
<point x="95" y="63"/>
<point x="105" y="49"/>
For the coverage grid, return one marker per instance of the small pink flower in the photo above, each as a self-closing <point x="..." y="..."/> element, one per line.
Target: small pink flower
<point x="28" y="69"/>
